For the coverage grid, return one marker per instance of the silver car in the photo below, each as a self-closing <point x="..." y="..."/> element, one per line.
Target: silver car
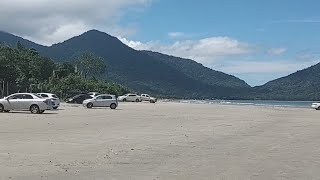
<point x="25" y="101"/>
<point x="103" y="100"/>
<point x="130" y="98"/>
<point x="54" y="98"/>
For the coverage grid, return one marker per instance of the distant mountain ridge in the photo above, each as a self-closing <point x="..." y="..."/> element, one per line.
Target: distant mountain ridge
<point x="169" y="76"/>
<point x="302" y="85"/>
<point x="11" y="39"/>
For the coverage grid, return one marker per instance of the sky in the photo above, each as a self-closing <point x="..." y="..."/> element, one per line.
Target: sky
<point x="255" y="40"/>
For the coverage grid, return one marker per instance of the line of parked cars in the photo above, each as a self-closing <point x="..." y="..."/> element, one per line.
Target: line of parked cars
<point x="40" y="102"/>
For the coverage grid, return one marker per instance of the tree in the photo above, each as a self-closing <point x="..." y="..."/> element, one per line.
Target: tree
<point x="90" y="65"/>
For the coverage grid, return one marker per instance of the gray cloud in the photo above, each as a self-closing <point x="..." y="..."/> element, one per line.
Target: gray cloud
<point x="51" y="21"/>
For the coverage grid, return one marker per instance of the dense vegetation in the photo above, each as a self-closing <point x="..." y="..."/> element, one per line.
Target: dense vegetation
<point x="25" y="70"/>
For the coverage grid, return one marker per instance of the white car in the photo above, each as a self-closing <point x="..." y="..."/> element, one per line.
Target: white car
<point x="147" y="97"/>
<point x="103" y="100"/>
<point x="25" y="101"/>
<point x="54" y="98"/>
<point x="93" y="94"/>
<point x="316" y="106"/>
<point x="130" y="97"/>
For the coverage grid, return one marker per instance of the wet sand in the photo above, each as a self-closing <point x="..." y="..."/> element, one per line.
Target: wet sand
<point x="161" y="141"/>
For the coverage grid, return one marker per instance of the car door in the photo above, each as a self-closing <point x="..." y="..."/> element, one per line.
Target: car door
<point x="132" y="97"/>
<point x="14" y="102"/>
<point x="147" y="97"/>
<point x="99" y="101"/>
<point x="25" y="101"/>
<point x="107" y="101"/>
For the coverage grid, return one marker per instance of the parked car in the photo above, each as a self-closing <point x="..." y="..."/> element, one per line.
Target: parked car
<point x="130" y="97"/>
<point x="104" y="100"/>
<point x="316" y="106"/>
<point x="147" y="97"/>
<point x="78" y="98"/>
<point x="25" y="101"/>
<point x="93" y="94"/>
<point x="54" y="98"/>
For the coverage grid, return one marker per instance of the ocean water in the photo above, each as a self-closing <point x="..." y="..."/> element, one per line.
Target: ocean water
<point x="270" y="103"/>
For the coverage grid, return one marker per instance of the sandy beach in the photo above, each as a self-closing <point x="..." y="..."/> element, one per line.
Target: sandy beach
<point x="161" y="141"/>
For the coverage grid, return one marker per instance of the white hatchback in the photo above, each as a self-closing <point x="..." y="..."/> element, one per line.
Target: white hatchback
<point x="25" y="101"/>
<point x="103" y="100"/>
<point x="54" y="98"/>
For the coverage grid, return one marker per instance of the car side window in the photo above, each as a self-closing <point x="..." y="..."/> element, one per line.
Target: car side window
<point x="132" y="95"/>
<point x="107" y="97"/>
<point x="44" y="95"/>
<point x="27" y="96"/>
<point x="99" y="97"/>
<point x="14" y="97"/>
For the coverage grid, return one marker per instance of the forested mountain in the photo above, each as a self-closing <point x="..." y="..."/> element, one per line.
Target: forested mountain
<point x="302" y="85"/>
<point x="199" y="72"/>
<point x="168" y="76"/>
<point x="143" y="72"/>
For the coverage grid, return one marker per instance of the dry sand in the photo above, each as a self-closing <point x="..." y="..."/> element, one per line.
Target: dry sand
<point x="161" y="141"/>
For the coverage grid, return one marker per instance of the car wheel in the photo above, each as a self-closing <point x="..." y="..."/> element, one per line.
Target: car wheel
<point x="316" y="108"/>
<point x="6" y="111"/>
<point x="151" y="101"/>
<point x="113" y="106"/>
<point x="34" y="109"/>
<point x="1" y="108"/>
<point x="89" y="105"/>
<point x="124" y="100"/>
<point x="55" y="107"/>
<point x="137" y="100"/>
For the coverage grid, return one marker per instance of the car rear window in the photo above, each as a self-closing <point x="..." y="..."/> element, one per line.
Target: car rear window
<point x="107" y="97"/>
<point x="38" y="96"/>
<point x="55" y="96"/>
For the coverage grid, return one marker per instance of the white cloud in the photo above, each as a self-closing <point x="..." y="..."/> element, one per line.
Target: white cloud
<point x="51" y="21"/>
<point x="205" y="51"/>
<point x="176" y="34"/>
<point x="276" y="51"/>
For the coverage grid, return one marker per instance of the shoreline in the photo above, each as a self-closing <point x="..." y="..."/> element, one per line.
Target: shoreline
<point x="256" y="103"/>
